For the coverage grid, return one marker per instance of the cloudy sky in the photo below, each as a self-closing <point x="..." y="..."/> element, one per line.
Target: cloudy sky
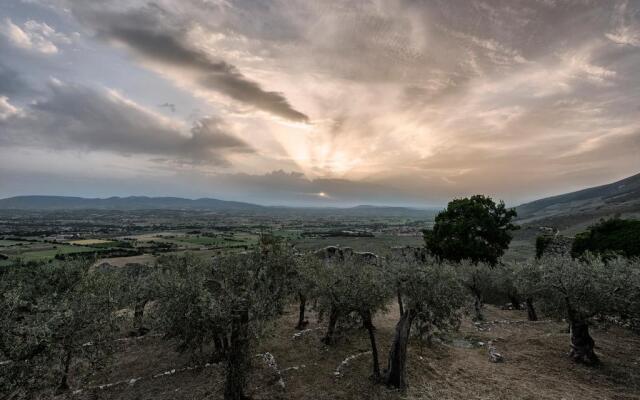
<point x="332" y="102"/>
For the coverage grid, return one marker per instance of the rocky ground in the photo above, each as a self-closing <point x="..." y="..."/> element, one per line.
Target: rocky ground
<point x="299" y="366"/>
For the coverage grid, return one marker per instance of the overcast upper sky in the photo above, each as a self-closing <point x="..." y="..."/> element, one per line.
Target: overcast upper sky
<point x="332" y="102"/>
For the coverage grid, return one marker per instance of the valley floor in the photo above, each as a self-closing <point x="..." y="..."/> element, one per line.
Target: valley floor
<point x="535" y="365"/>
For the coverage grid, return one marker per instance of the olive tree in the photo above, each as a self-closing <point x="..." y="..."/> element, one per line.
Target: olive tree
<point x="527" y="282"/>
<point x="353" y="286"/>
<point x="52" y="315"/>
<point x="504" y="281"/>
<point x="478" y="279"/>
<point x="304" y="284"/>
<point x="431" y="292"/>
<point x="581" y="289"/>
<point x="136" y="288"/>
<point x="225" y="303"/>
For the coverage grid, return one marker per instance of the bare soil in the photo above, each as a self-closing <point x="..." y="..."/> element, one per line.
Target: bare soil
<point x="535" y="365"/>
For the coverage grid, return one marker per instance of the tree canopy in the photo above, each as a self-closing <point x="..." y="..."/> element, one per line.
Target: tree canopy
<point x="474" y="228"/>
<point x="51" y="315"/>
<point x="609" y="236"/>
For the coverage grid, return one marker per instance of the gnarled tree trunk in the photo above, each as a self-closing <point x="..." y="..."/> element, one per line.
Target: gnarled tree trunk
<point x="237" y="358"/>
<point x="477" y="307"/>
<point x="329" y="338"/>
<point x="531" y="311"/>
<point x="582" y="343"/>
<point x="395" y="375"/>
<point x="302" y="323"/>
<point x="368" y="324"/>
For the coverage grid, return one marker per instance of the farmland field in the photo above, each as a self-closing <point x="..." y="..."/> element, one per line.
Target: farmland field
<point x="89" y="242"/>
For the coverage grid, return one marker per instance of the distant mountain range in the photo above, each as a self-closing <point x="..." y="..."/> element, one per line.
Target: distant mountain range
<point x="122" y="203"/>
<point x="50" y="203"/>
<point x="588" y="204"/>
<point x="563" y="210"/>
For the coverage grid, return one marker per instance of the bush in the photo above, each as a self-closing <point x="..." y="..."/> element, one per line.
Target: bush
<point x="609" y="236"/>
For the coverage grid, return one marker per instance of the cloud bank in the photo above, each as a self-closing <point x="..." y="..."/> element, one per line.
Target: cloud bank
<point x="425" y="100"/>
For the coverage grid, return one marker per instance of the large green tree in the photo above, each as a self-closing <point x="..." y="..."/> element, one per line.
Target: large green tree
<point x="474" y="228"/>
<point x="615" y="235"/>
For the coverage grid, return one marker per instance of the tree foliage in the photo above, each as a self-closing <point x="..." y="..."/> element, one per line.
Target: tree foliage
<point x="353" y="288"/>
<point x="479" y="279"/>
<point x="580" y="289"/>
<point x="225" y="303"/>
<point x="432" y="293"/>
<point x="474" y="228"/>
<point x="621" y="236"/>
<point x="53" y="315"/>
<point x="304" y="282"/>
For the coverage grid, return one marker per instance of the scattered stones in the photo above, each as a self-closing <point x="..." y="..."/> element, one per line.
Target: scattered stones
<point x="484" y="326"/>
<point x="271" y="362"/>
<point x="133" y="381"/>
<point x="304" y="332"/>
<point x="338" y="372"/>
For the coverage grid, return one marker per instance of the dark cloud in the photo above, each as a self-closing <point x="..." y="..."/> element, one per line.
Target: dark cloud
<point x="148" y="33"/>
<point x="75" y="116"/>
<point x="10" y="81"/>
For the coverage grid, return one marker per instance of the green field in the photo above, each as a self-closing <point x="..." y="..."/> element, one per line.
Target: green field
<point x="44" y="255"/>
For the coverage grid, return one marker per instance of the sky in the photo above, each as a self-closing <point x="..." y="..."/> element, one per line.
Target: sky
<point x="333" y="102"/>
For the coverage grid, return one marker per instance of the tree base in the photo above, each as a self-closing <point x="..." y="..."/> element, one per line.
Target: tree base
<point x="582" y="344"/>
<point x="302" y="325"/>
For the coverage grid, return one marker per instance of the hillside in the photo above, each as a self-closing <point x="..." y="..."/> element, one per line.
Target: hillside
<point x="121" y="203"/>
<point x="585" y="205"/>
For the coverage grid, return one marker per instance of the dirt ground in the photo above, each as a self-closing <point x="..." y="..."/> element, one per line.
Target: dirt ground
<point x="535" y="365"/>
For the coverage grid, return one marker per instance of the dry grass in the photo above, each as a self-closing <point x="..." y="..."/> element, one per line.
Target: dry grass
<point x="535" y="367"/>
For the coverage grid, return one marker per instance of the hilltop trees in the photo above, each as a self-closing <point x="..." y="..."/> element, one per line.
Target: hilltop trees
<point x="474" y="228"/>
<point x="431" y="293"/>
<point x="226" y="303"/>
